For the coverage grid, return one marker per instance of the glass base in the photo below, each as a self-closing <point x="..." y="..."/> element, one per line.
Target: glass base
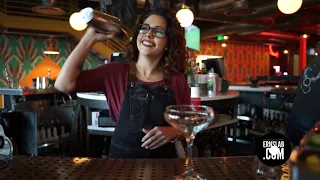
<point x="190" y="176"/>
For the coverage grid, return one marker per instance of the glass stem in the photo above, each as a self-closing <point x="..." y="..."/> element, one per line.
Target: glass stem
<point x="189" y="140"/>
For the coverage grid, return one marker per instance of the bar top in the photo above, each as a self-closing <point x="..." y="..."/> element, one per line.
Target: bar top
<point x="36" y="167"/>
<point x="274" y="89"/>
<point x="101" y="97"/>
<point x="25" y="92"/>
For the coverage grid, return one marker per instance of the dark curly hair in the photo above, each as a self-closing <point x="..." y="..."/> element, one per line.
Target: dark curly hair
<point x="174" y="59"/>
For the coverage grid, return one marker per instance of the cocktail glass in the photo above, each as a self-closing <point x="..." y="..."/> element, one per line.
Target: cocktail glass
<point x="190" y="119"/>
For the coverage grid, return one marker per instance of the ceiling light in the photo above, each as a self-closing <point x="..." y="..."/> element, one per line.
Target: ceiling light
<point x="305" y="36"/>
<point x="185" y="16"/>
<point x="51" y="49"/>
<point x="76" y="22"/>
<point x="289" y="6"/>
<point x="225" y="37"/>
<point x="223" y="45"/>
<point x="285" y="51"/>
<point x="316" y="54"/>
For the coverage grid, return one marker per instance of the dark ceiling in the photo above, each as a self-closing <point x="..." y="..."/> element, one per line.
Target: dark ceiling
<point x="251" y="21"/>
<point x="254" y="21"/>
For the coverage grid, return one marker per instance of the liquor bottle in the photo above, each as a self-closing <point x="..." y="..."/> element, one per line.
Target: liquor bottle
<point x="246" y="130"/>
<point x="263" y="125"/>
<point x="204" y="69"/>
<point x="238" y="130"/>
<point x="267" y="126"/>
<point x="254" y="123"/>
<point x="49" y="73"/>
<point x="189" y="75"/>
<point x="197" y="69"/>
<point x="231" y="131"/>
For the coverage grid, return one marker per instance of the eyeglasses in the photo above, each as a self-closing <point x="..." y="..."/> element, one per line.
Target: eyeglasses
<point x="156" y="31"/>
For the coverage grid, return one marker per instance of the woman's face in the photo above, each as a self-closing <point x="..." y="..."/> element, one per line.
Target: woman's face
<point x="152" y="39"/>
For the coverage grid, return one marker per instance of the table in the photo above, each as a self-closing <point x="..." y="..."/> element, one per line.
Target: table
<point x="232" y="168"/>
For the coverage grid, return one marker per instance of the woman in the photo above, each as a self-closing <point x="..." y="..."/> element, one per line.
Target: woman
<point x="139" y="92"/>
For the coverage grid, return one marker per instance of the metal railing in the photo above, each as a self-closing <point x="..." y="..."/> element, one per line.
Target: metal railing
<point x="24" y="8"/>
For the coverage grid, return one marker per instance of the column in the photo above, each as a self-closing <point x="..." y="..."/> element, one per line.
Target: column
<point x="303" y="53"/>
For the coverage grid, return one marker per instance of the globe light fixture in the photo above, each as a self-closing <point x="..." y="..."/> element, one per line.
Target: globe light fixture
<point x="289" y="6"/>
<point x="76" y="22"/>
<point x="51" y="50"/>
<point x="185" y="16"/>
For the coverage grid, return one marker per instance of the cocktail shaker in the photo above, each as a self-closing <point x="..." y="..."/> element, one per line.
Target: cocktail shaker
<point x="102" y="21"/>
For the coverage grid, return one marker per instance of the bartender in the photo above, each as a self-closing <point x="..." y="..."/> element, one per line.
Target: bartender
<point x="139" y="92"/>
<point x="305" y="113"/>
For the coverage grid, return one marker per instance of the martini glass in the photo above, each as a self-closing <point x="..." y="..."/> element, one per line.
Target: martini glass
<point x="190" y="119"/>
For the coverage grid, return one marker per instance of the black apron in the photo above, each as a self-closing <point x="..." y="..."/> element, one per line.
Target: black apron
<point x="142" y="107"/>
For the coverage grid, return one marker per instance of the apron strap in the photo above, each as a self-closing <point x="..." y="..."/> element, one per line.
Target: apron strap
<point x="166" y="82"/>
<point x="132" y="74"/>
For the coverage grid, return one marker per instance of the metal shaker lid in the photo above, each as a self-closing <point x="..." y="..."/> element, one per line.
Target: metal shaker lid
<point x="86" y="14"/>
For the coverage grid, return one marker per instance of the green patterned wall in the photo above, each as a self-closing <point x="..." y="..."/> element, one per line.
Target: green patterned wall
<point x="21" y="54"/>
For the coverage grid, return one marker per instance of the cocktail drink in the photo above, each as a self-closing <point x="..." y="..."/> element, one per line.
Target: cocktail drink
<point x="190" y="119"/>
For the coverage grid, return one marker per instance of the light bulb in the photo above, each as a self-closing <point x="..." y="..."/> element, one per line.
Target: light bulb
<point x="76" y="22"/>
<point x="289" y="6"/>
<point x="185" y="17"/>
<point x="285" y="51"/>
<point x="223" y="45"/>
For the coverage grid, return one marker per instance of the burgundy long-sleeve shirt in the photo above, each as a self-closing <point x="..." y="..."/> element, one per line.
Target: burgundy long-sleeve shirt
<point x="112" y="78"/>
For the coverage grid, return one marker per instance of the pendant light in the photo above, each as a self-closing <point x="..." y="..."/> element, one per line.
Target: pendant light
<point x="289" y="6"/>
<point x="185" y="16"/>
<point x="51" y="50"/>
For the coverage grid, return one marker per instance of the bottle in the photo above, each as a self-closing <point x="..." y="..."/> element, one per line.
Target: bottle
<point x="197" y="69"/>
<point x="263" y="125"/>
<point x="231" y="131"/>
<point x="189" y="76"/>
<point x="204" y="69"/>
<point x="246" y="130"/>
<point x="238" y="130"/>
<point x="254" y="123"/>
<point x="49" y="73"/>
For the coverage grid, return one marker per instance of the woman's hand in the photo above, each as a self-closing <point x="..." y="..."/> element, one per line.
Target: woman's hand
<point x="94" y="35"/>
<point x="158" y="136"/>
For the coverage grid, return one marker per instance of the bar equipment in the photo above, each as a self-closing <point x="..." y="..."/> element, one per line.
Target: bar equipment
<point x="102" y="21"/>
<point x="6" y="147"/>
